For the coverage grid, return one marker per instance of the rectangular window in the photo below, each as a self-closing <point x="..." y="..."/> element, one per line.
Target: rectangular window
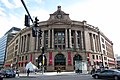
<point x="96" y="56"/>
<point x="103" y="51"/>
<point x="16" y="41"/>
<point x="93" y="56"/>
<point x="22" y="57"/>
<point x="16" y="47"/>
<point x="103" y="46"/>
<point x="26" y="58"/>
<point x="102" y="40"/>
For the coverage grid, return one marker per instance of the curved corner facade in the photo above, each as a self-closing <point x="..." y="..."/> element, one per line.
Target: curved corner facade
<point x="65" y="42"/>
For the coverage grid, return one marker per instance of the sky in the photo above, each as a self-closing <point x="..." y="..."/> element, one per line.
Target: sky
<point x="104" y="14"/>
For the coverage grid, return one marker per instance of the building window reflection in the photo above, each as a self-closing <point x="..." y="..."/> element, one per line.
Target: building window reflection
<point x="46" y="39"/>
<point x="59" y="39"/>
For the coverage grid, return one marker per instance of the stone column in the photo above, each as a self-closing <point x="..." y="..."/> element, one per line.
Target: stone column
<point x="70" y="38"/>
<point x="42" y="40"/>
<point x="94" y="43"/>
<point x="49" y="38"/>
<point x="82" y="40"/>
<point x="26" y="42"/>
<point x="92" y="47"/>
<point x="76" y="39"/>
<point x="53" y="38"/>
<point x="97" y="43"/>
<point x="66" y="39"/>
<point x="23" y="43"/>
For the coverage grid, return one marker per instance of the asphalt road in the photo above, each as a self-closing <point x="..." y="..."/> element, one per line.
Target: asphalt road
<point x="54" y="77"/>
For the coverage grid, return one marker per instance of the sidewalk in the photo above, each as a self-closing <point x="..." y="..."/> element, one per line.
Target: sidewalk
<point x="47" y="74"/>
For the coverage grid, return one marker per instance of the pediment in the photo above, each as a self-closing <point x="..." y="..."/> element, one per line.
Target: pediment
<point x="59" y="17"/>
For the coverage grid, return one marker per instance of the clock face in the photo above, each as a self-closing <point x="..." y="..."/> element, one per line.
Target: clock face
<point x="59" y="16"/>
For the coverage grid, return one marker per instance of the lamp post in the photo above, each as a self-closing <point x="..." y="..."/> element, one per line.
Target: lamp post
<point x="43" y="62"/>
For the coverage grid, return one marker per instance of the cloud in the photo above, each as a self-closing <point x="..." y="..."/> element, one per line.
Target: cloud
<point x="2" y="12"/>
<point x="10" y="21"/>
<point x="7" y="4"/>
<point x="17" y="3"/>
<point x="42" y="14"/>
<point x="13" y="4"/>
<point x="38" y="1"/>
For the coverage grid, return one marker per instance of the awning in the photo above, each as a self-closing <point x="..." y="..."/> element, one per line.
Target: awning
<point x="20" y="62"/>
<point x="111" y="62"/>
<point x="97" y="60"/>
<point x="7" y="64"/>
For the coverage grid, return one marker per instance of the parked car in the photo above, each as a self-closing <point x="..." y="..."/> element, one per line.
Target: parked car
<point x="7" y="73"/>
<point x="1" y="78"/>
<point x="107" y="74"/>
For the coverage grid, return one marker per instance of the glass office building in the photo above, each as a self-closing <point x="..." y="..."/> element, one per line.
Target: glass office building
<point x="3" y="42"/>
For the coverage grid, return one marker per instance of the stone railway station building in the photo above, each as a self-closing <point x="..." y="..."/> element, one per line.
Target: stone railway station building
<point x="65" y="41"/>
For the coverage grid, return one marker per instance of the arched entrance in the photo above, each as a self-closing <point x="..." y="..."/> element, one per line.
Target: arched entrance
<point x="40" y="61"/>
<point x="60" y="62"/>
<point x="77" y="57"/>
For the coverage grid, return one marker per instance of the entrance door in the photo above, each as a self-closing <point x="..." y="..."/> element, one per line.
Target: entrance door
<point x="60" y="61"/>
<point x="76" y="58"/>
<point x="40" y="61"/>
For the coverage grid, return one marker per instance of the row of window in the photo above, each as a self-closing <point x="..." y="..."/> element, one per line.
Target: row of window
<point x="98" y="57"/>
<point x="59" y="39"/>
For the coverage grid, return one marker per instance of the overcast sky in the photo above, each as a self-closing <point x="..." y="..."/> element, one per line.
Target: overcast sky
<point x="104" y="14"/>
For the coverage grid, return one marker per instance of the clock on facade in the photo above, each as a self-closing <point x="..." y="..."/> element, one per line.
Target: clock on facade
<point x="59" y="16"/>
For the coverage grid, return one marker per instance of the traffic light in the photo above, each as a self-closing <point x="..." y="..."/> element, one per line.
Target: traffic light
<point x="34" y="33"/>
<point x="36" y="22"/>
<point x="40" y="33"/>
<point x="27" y="21"/>
<point x="43" y="50"/>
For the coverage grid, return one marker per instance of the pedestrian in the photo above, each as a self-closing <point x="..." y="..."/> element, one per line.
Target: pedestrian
<point x="17" y="72"/>
<point x="57" y="70"/>
<point x="28" y="71"/>
<point x="78" y="71"/>
<point x="93" y="71"/>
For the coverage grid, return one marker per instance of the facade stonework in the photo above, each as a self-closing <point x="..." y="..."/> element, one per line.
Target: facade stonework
<point x="65" y="41"/>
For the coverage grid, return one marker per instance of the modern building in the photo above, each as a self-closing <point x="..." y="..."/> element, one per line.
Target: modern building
<point x="3" y="43"/>
<point x="66" y="42"/>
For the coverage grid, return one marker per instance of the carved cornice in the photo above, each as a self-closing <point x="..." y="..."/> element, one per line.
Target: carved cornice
<point x="50" y="22"/>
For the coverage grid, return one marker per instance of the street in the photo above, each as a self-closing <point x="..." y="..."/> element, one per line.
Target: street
<point x="59" y="76"/>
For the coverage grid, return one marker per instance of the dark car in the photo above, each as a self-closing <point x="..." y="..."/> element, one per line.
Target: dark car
<point x="107" y="74"/>
<point x="7" y="73"/>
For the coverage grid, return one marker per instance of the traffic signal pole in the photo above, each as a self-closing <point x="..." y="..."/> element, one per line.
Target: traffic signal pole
<point x="37" y="33"/>
<point x="26" y="10"/>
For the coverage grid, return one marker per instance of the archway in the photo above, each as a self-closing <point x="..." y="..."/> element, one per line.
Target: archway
<point x="60" y="61"/>
<point x="40" y="61"/>
<point x="77" y="57"/>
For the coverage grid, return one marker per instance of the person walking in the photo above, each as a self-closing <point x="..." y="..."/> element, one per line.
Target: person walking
<point x="28" y="72"/>
<point x="78" y="71"/>
<point x="17" y="72"/>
